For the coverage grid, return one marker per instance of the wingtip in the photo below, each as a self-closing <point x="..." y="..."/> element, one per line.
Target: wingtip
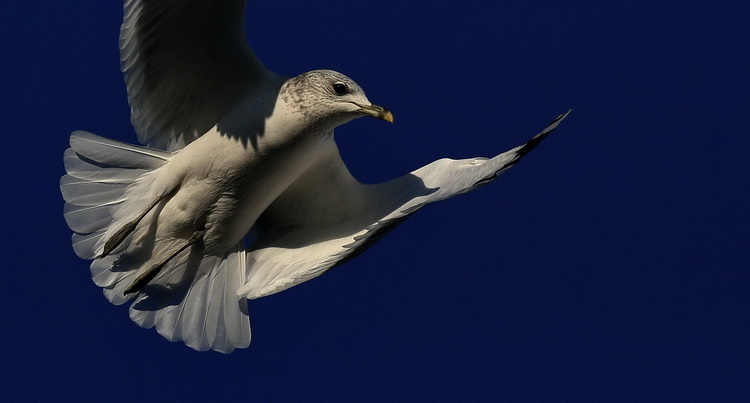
<point x="558" y="119"/>
<point x="552" y="125"/>
<point x="531" y="144"/>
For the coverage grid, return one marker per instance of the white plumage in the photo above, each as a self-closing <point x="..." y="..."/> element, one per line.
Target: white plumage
<point x="232" y="149"/>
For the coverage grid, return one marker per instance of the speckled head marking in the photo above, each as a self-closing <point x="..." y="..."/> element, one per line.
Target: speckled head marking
<point x="320" y="86"/>
<point x="326" y="95"/>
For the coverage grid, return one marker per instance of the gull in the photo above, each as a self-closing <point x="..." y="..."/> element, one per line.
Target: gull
<point x="238" y="190"/>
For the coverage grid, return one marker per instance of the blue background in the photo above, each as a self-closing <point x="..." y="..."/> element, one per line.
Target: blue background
<point x="612" y="263"/>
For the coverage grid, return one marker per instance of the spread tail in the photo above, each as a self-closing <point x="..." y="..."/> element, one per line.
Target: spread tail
<point x="112" y="208"/>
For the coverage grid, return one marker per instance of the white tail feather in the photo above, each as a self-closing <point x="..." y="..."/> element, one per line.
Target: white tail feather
<point x="194" y="297"/>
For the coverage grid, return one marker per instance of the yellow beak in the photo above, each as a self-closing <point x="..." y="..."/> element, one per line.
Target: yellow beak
<point x="376" y="112"/>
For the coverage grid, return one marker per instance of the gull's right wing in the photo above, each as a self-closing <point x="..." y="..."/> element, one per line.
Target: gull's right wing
<point x="186" y="64"/>
<point x="328" y="217"/>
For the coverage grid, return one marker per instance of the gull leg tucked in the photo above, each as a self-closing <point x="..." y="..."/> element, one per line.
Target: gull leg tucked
<point x="144" y="277"/>
<point x="116" y="239"/>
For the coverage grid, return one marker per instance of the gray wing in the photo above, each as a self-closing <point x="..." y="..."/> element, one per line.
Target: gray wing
<point x="186" y="64"/>
<point x="328" y="217"/>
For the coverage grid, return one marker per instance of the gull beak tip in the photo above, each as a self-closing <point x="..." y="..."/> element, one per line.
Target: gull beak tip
<point x="376" y="111"/>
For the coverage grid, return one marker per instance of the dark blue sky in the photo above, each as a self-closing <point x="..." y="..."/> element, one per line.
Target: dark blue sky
<point x="612" y="263"/>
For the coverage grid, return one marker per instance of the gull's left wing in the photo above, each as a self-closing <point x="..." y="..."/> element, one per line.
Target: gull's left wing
<point x="328" y="217"/>
<point x="186" y="64"/>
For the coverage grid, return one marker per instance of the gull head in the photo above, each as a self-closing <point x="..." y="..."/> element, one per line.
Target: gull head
<point x="330" y="98"/>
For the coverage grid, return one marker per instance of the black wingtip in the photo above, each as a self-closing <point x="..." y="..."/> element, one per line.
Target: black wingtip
<point x="531" y="144"/>
<point x="526" y="148"/>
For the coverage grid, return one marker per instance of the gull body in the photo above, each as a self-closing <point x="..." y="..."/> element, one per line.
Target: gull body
<point x="222" y="182"/>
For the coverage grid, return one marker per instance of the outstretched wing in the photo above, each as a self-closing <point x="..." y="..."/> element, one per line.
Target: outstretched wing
<point x="327" y="217"/>
<point x="186" y="64"/>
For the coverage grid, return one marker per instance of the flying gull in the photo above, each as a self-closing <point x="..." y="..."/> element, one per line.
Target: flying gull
<point x="239" y="191"/>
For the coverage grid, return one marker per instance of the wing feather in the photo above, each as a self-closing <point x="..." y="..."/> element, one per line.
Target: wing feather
<point x="186" y="65"/>
<point x="327" y="216"/>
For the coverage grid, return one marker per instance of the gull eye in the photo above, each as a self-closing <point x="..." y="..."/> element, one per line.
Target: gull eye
<point x="340" y="89"/>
